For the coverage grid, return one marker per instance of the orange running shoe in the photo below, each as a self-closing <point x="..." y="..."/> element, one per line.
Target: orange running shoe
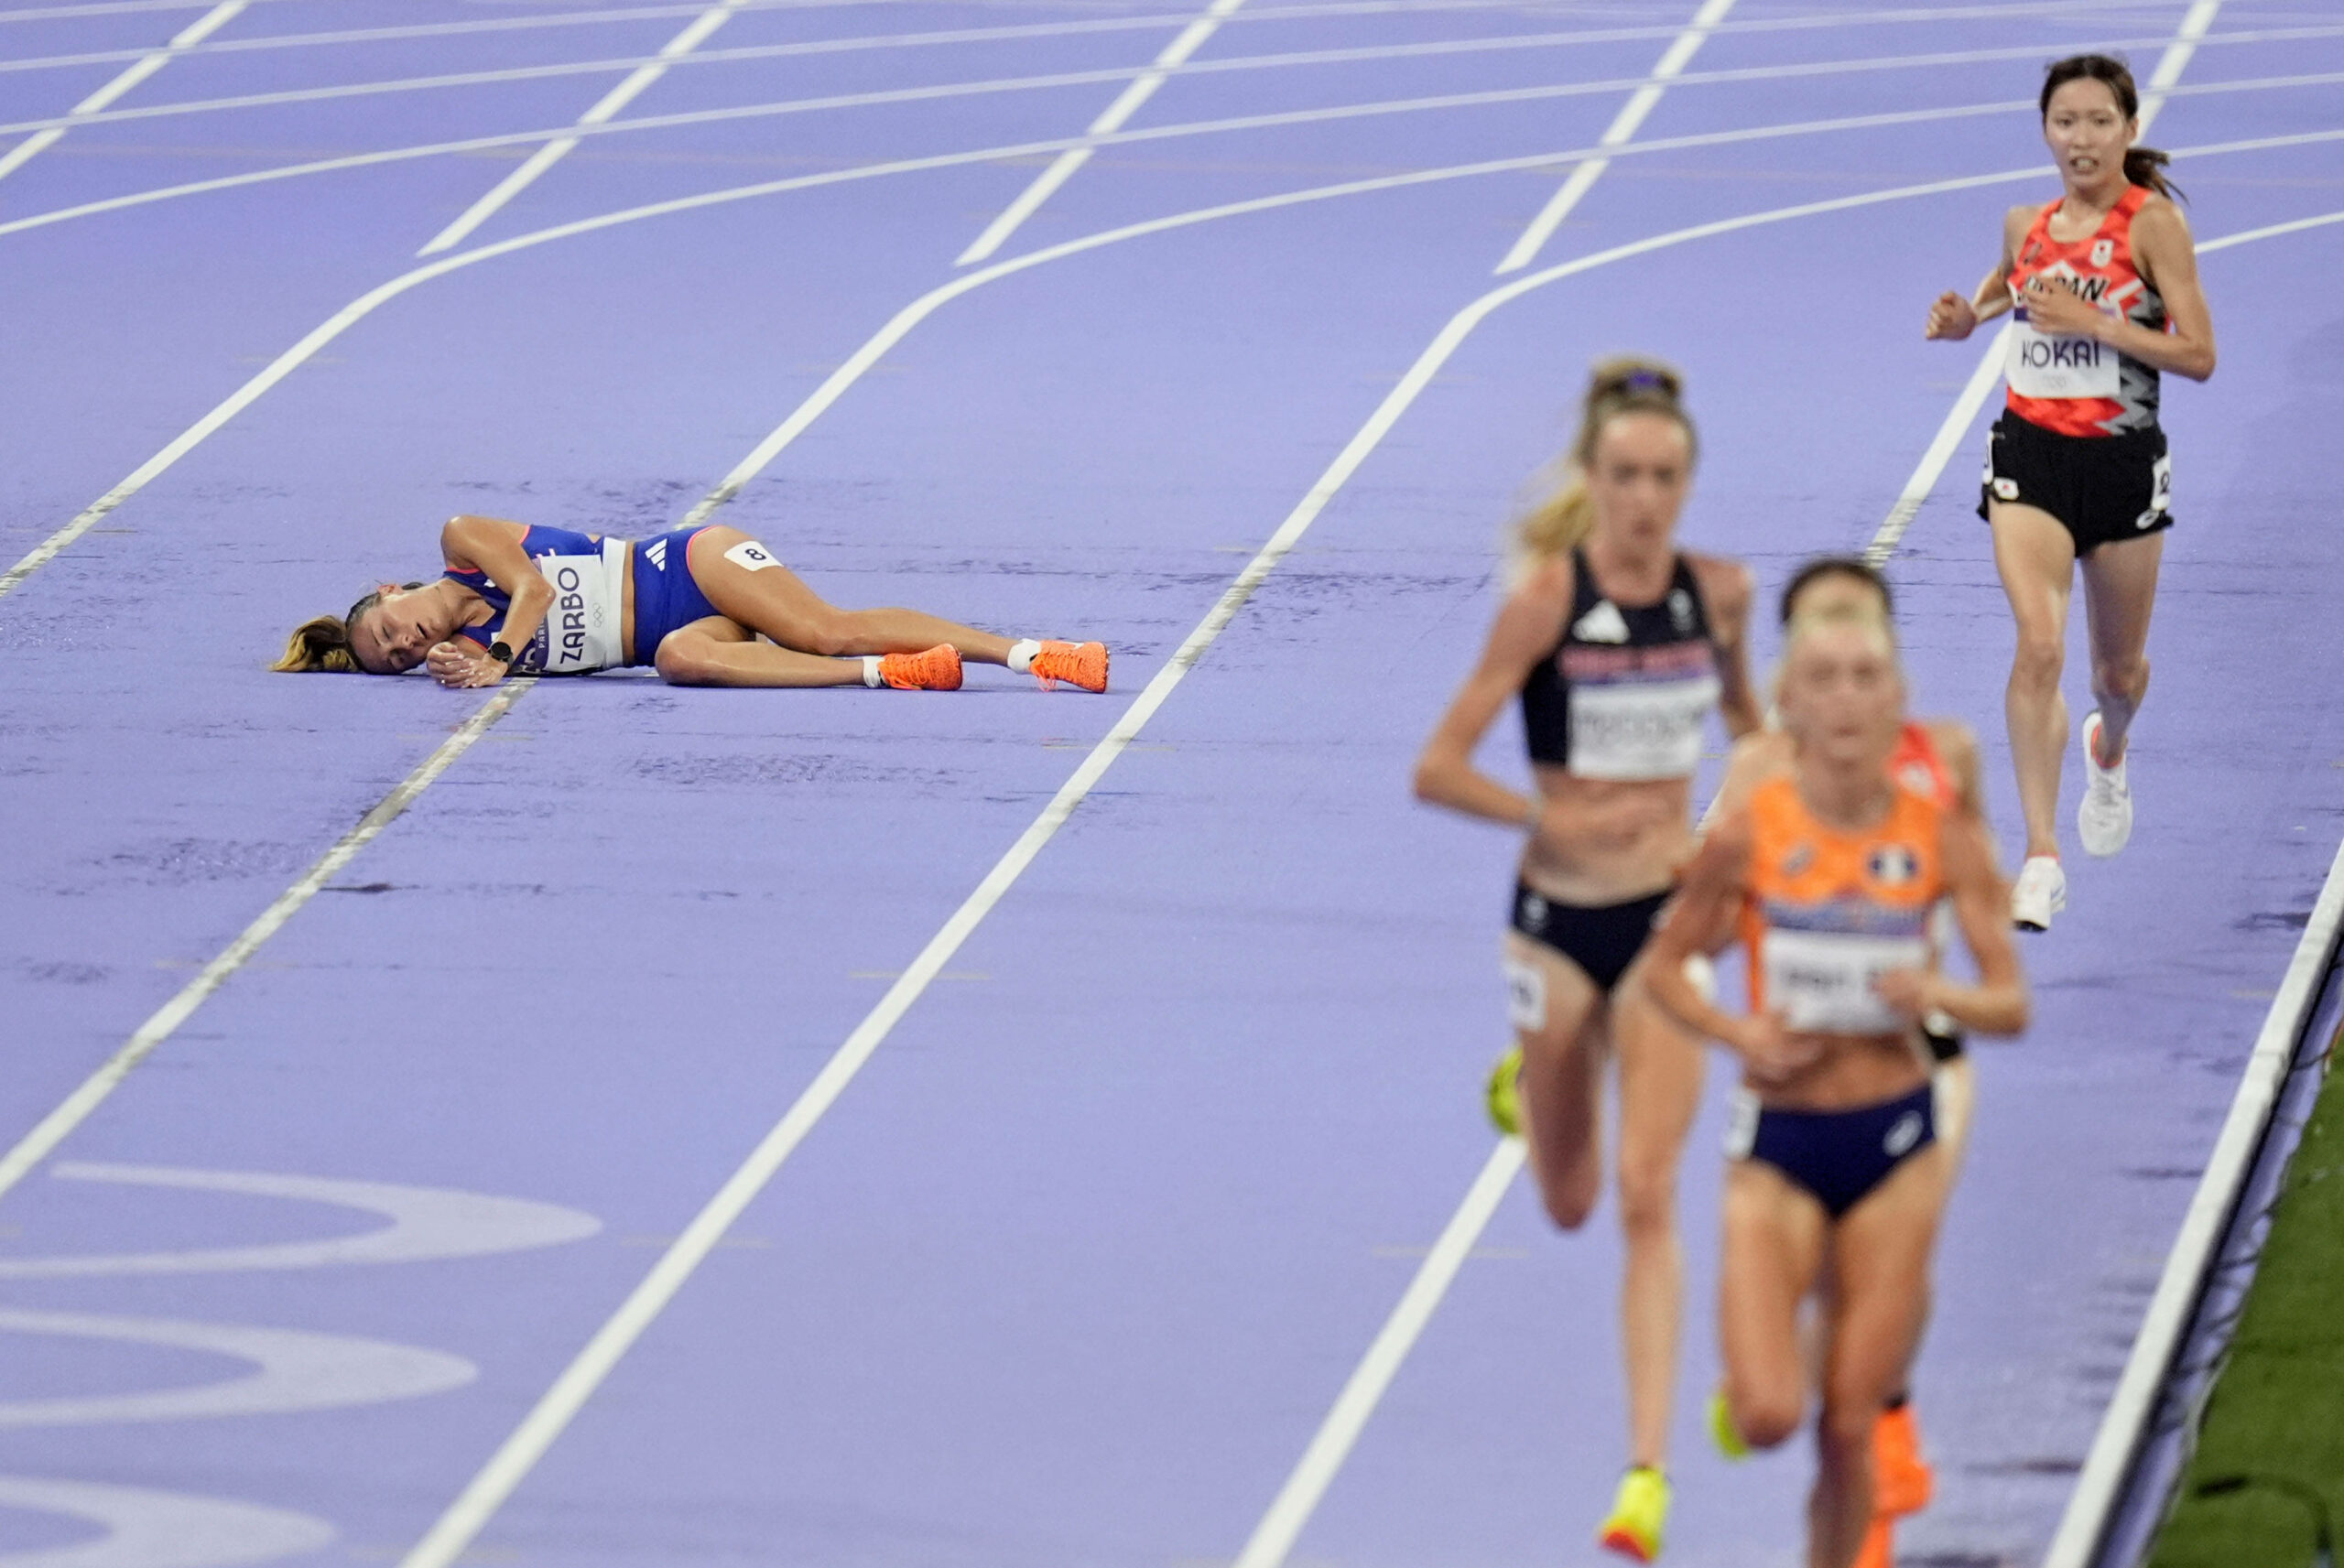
<point x="1879" y="1550"/>
<point x="939" y="669"/>
<point x="1902" y="1479"/>
<point x="1078" y="664"/>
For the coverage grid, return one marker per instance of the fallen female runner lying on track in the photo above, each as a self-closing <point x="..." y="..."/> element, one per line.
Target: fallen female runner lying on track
<point x="1828" y="874"/>
<point x="694" y="603"/>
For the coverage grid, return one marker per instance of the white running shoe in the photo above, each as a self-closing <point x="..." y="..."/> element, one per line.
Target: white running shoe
<point x="2104" y="819"/>
<point x="2040" y="892"/>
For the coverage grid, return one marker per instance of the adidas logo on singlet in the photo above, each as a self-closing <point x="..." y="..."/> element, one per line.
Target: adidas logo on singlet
<point x="657" y="552"/>
<point x="1604" y="623"/>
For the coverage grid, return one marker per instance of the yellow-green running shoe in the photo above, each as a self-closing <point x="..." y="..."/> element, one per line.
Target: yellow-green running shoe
<point x="1503" y="1094"/>
<point x="1639" y="1514"/>
<point x="1721" y="1429"/>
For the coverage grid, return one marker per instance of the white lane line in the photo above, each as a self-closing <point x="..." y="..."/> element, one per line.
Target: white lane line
<point x="93" y="1092"/>
<point x="605" y="109"/>
<point x="1332" y="1444"/>
<point x="1159" y="133"/>
<point x="426" y="1224"/>
<point x="1623" y="127"/>
<point x="147" y="65"/>
<point x="1142" y="87"/>
<point x="946" y="91"/>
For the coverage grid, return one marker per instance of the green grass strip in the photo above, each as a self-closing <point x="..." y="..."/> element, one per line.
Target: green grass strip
<point x="2276" y="1418"/>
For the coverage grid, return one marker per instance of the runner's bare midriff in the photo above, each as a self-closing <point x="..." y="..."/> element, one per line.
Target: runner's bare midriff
<point x="1853" y="1070"/>
<point x="1632" y="867"/>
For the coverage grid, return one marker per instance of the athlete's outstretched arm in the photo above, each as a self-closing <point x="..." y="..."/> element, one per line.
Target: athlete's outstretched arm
<point x="1998" y="1003"/>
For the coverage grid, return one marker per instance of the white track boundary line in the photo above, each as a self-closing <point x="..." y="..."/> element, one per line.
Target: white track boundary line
<point x="359" y="308"/>
<point x="147" y="65"/>
<point x="59" y="1124"/>
<point x="1142" y="87"/>
<point x="2085" y="1521"/>
<point x="605" y="109"/>
<point x="944" y="91"/>
<point x="1623" y="129"/>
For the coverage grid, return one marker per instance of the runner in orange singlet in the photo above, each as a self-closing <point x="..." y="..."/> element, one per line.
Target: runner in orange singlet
<point x="1828" y="875"/>
<point x="2105" y="286"/>
<point x="1937" y="759"/>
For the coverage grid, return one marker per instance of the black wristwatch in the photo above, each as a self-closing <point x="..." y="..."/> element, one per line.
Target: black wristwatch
<point x="501" y="651"/>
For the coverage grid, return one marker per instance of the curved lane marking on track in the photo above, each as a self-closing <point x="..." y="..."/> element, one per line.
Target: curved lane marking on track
<point x="147" y="1529"/>
<point x="426" y="1223"/>
<point x="296" y="1369"/>
<point x="949" y="91"/>
<point x="1010" y="33"/>
<point x="518" y="1455"/>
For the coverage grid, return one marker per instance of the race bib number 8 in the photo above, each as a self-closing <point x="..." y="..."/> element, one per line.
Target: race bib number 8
<point x="750" y="557"/>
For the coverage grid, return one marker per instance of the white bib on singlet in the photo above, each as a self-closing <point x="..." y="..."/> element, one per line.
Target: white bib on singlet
<point x="582" y="631"/>
<point x="1639" y="728"/>
<point x="1822" y="981"/>
<point x="2038" y="364"/>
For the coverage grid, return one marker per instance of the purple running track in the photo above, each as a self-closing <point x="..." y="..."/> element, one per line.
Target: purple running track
<point x="1076" y="1266"/>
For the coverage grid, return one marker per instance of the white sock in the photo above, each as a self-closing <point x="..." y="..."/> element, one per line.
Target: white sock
<point x="1021" y="655"/>
<point x="870" y="670"/>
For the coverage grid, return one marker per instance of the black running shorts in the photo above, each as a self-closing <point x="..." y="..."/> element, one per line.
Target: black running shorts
<point x="2102" y="489"/>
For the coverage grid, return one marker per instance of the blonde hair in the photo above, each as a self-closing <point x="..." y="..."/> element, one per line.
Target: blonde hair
<point x="1629" y="384"/>
<point x="322" y="642"/>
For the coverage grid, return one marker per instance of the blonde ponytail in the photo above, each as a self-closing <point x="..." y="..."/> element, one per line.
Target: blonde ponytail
<point x="321" y="643"/>
<point x="1561" y="523"/>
